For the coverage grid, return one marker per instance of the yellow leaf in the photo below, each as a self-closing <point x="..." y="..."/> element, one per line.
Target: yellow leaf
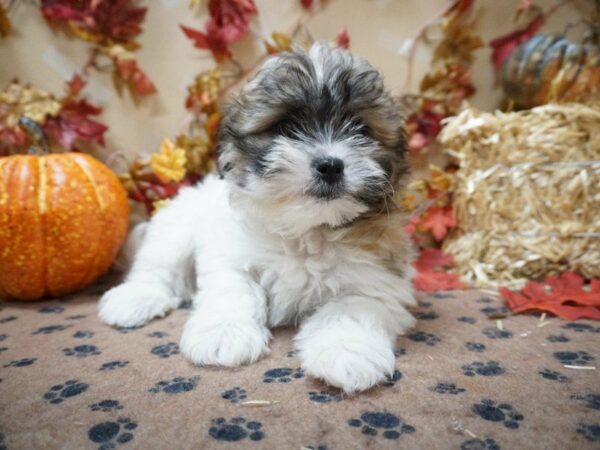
<point x="281" y="43"/>
<point x="158" y="204"/>
<point x="169" y="163"/>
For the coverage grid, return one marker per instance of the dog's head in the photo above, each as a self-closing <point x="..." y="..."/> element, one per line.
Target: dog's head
<point x="313" y="139"/>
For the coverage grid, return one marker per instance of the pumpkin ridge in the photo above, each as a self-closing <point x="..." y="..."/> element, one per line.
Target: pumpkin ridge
<point x="92" y="181"/>
<point x="42" y="205"/>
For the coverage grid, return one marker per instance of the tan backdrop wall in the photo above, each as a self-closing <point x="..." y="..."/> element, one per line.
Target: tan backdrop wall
<point x="379" y="30"/>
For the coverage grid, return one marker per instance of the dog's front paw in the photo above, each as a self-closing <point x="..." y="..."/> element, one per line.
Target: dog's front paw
<point x="224" y="343"/>
<point x="134" y="304"/>
<point x="350" y="358"/>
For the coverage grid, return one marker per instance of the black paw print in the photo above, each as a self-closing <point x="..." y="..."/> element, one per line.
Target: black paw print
<point x="581" y="327"/>
<point x="578" y="358"/>
<point x="2" y="441"/>
<point x="106" y="406"/>
<point x="484" y="300"/>
<point x="175" y="386"/>
<point x="111" y="434"/>
<point x="371" y="423"/>
<point x="558" y="338"/>
<point x="324" y="397"/>
<point x="3" y="349"/>
<point x="480" y="444"/>
<point x="591" y="400"/>
<point x="23" y="362"/>
<point x="553" y="375"/>
<point x="76" y="317"/>
<point x="429" y="315"/>
<point x="391" y="380"/>
<point x="282" y="375"/>
<point x="8" y="319"/>
<point x="51" y="310"/>
<point x="488" y="369"/>
<point x="590" y="431"/>
<point x="494" y="311"/>
<point x="312" y="447"/>
<point x="475" y="347"/>
<point x="3" y="337"/>
<point x="292" y="354"/>
<point x="82" y="351"/>
<point x="442" y="295"/>
<point x="83" y="334"/>
<point x="503" y="412"/>
<point x="399" y="352"/>
<point x="125" y="330"/>
<point x="495" y="333"/>
<point x="447" y="388"/>
<point x="165" y="350"/>
<point x="469" y="320"/>
<point x="113" y="365"/>
<point x="60" y="392"/>
<point x="158" y="334"/>
<point x="51" y="329"/>
<point x="236" y="429"/>
<point x="427" y="338"/>
<point x="234" y="395"/>
<point x="425" y="304"/>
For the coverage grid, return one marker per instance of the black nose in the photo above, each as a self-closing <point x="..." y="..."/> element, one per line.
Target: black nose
<point x="330" y="170"/>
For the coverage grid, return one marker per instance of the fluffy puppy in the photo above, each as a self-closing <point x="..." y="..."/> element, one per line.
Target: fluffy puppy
<point x="300" y="227"/>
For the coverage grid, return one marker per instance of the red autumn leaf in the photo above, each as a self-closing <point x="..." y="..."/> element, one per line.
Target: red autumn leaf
<point x="430" y="276"/>
<point x="73" y="124"/>
<point x="130" y="72"/>
<point x="503" y="46"/>
<point x="343" y="38"/>
<point x="11" y="139"/>
<point x="119" y="20"/>
<point x="75" y="85"/>
<point x="306" y="4"/>
<point x="564" y="297"/>
<point x="231" y="17"/>
<point x="212" y="40"/>
<point x="437" y="220"/>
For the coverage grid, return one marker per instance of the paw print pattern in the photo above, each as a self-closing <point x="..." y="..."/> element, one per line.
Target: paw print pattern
<point x="23" y="362"/>
<point x="236" y="429"/>
<point x="480" y="444"/>
<point x="51" y="329"/>
<point x="581" y="327"/>
<point x="494" y="311"/>
<point x="3" y="349"/>
<point x="165" y="350"/>
<point x="577" y="358"/>
<point x="399" y="352"/>
<point x="503" y="412"/>
<point x="83" y="334"/>
<point x="427" y="338"/>
<point x="125" y="330"/>
<point x="76" y="317"/>
<point x="282" y="375"/>
<point x="553" y="375"/>
<point x="82" y="351"/>
<point x="234" y="395"/>
<point x="447" y="388"/>
<point x="8" y="319"/>
<point x="175" y="386"/>
<point x="324" y="397"/>
<point x="158" y="334"/>
<point x="558" y="338"/>
<point x="106" y="406"/>
<point x="51" y="310"/>
<point x="391" y="426"/>
<point x="487" y="369"/>
<point x="469" y="320"/>
<point x="292" y="354"/>
<point x="425" y="304"/>
<point x="57" y="394"/>
<point x="113" y="365"/>
<point x="442" y="295"/>
<point x="484" y="300"/>
<point x="590" y="431"/>
<point x="111" y="434"/>
<point x="591" y="400"/>
<point x="429" y="315"/>
<point x="3" y="337"/>
<point x="495" y="333"/>
<point x="475" y="347"/>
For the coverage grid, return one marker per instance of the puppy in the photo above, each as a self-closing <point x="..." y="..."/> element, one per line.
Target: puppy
<point x="301" y="226"/>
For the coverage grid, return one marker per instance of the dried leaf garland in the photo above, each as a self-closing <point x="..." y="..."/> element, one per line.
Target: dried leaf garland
<point x="111" y="26"/>
<point x="67" y="122"/>
<point x="169" y="163"/>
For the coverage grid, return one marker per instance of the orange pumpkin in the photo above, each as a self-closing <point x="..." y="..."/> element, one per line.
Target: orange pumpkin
<point x="63" y="218"/>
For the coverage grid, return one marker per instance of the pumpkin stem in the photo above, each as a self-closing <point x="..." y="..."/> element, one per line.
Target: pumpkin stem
<point x="36" y="134"/>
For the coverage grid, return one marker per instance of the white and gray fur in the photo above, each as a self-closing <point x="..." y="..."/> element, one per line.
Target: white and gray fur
<point x="301" y="226"/>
